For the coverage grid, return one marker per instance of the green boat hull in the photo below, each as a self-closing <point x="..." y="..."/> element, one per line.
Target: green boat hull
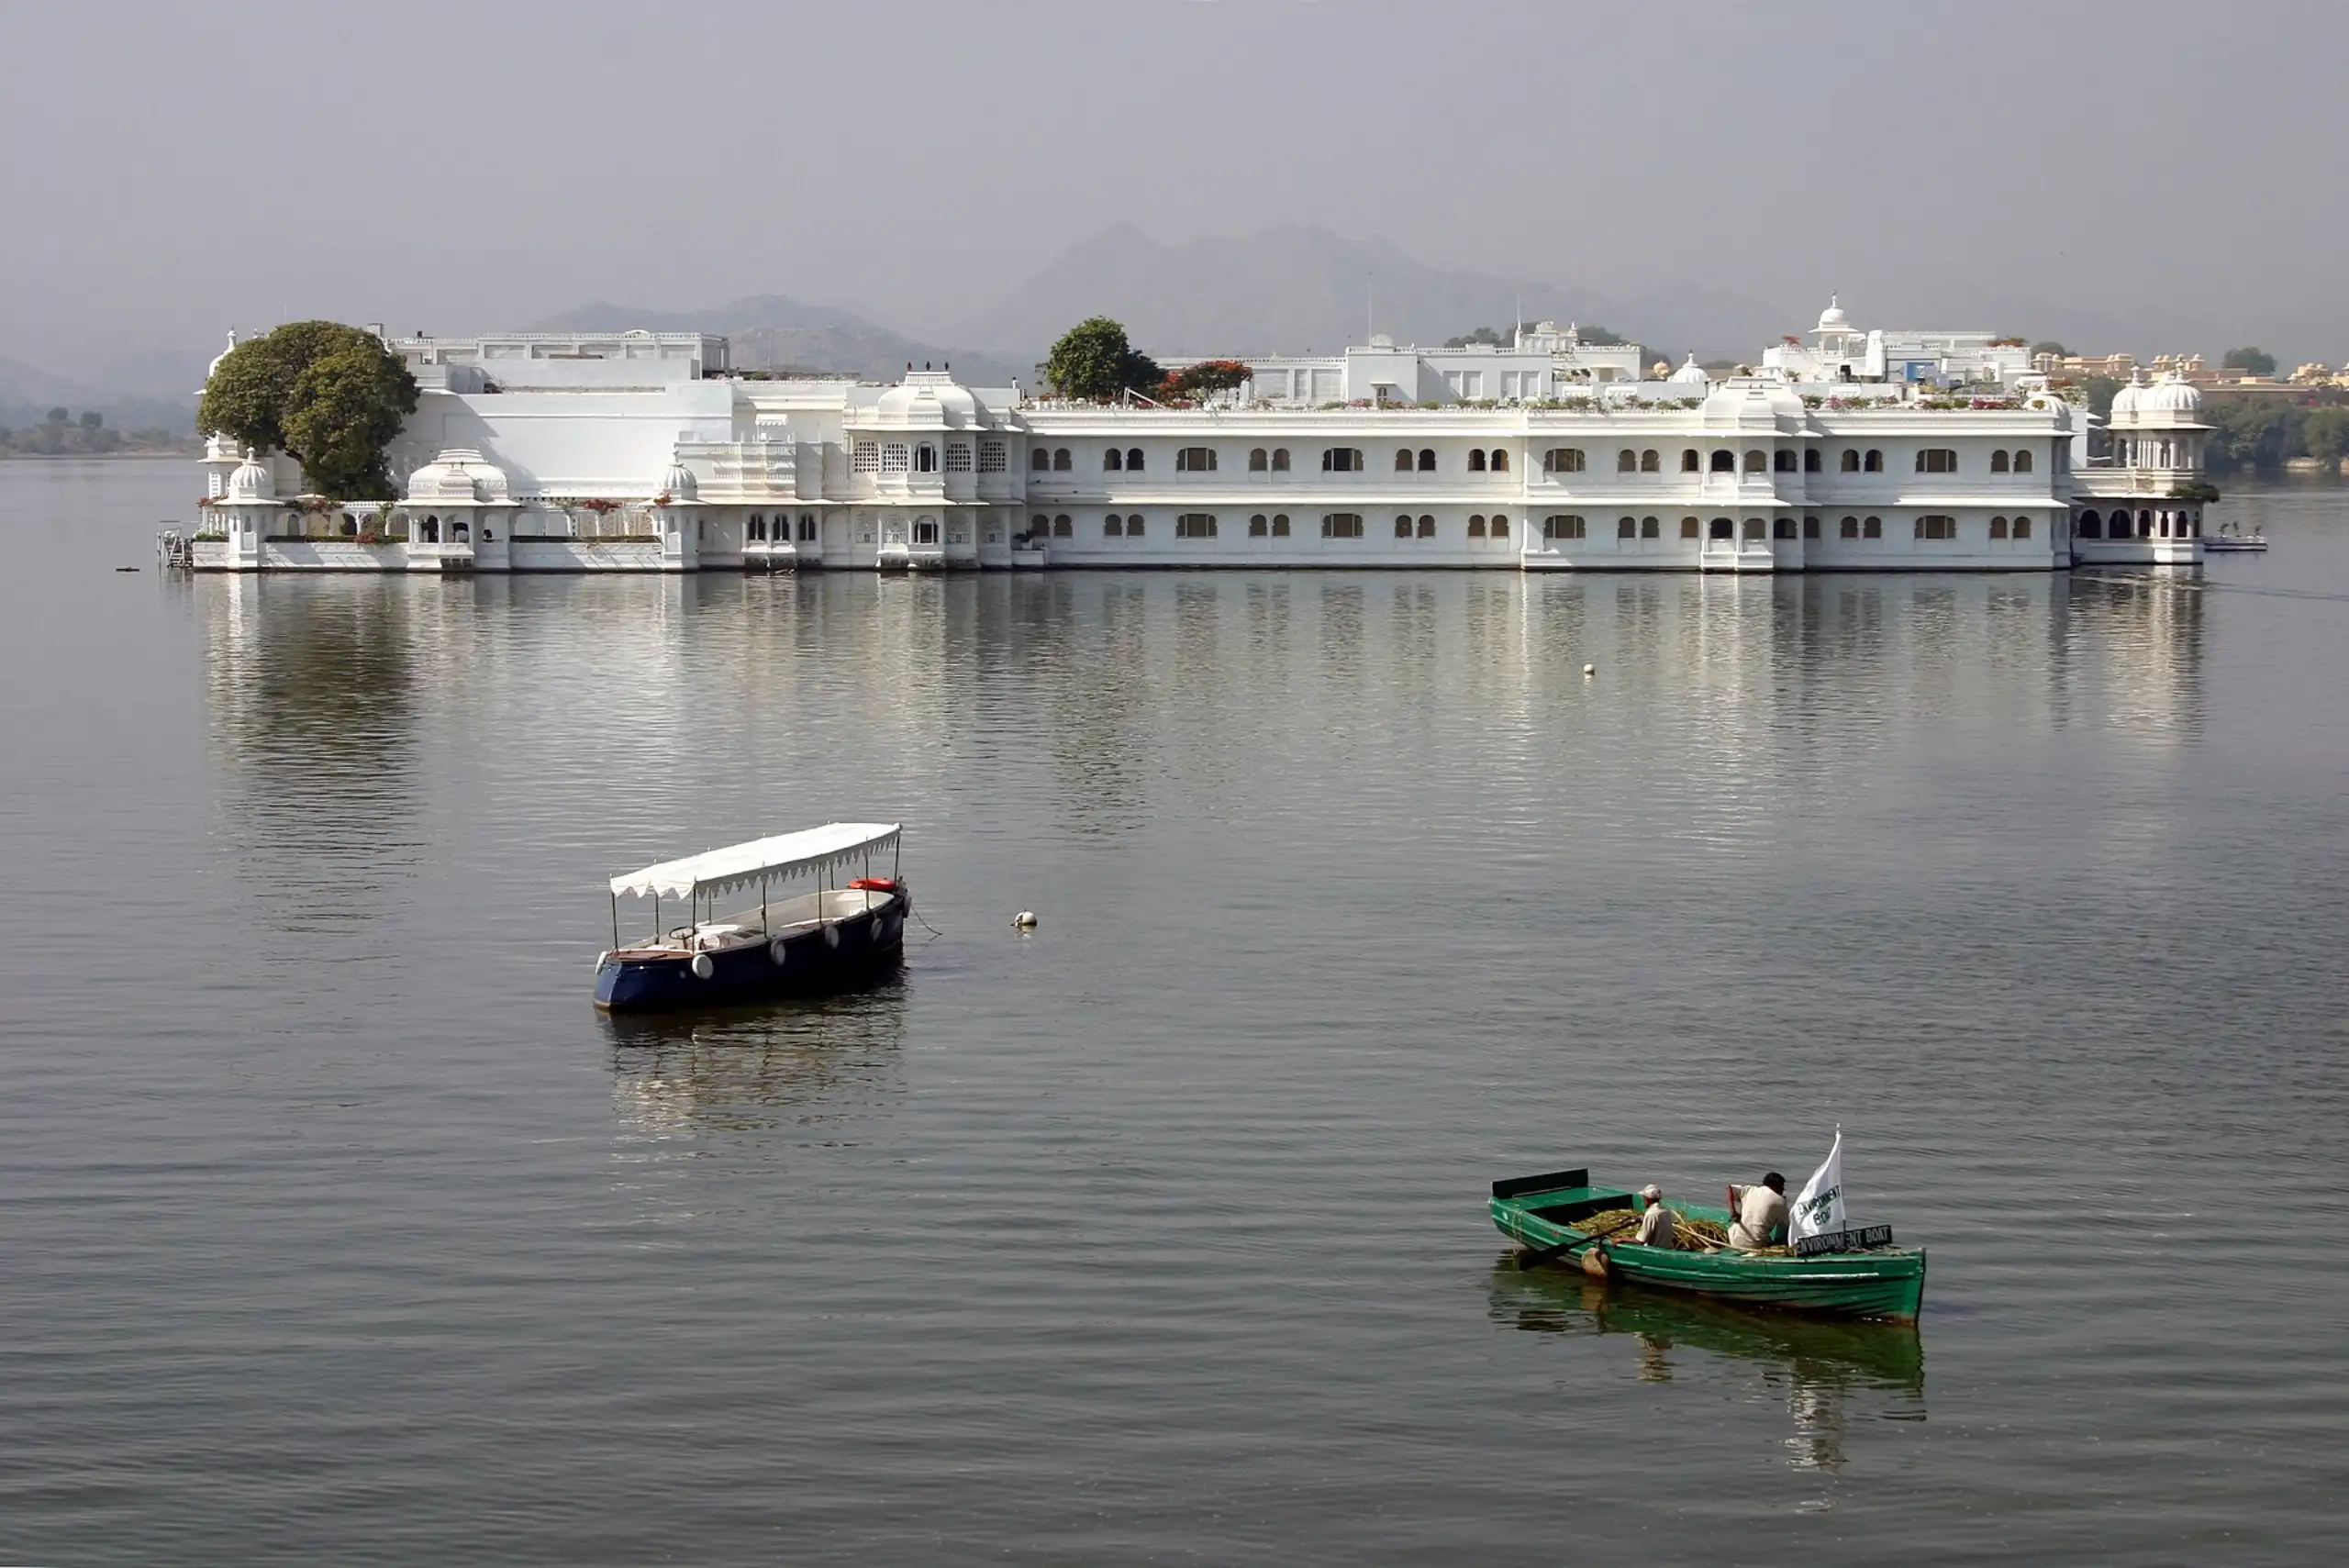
<point x="1885" y="1283"/>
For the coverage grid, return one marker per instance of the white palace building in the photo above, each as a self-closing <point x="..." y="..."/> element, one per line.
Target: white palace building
<point x="1844" y="451"/>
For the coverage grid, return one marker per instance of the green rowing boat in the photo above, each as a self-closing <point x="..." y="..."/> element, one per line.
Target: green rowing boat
<point x="1866" y="1281"/>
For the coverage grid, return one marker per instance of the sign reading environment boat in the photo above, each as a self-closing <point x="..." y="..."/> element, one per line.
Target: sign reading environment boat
<point x="1866" y="1235"/>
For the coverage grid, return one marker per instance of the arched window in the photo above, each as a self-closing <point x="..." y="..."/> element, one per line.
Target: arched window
<point x="1648" y="527"/>
<point x="1648" y="462"/>
<point x="1997" y="528"/>
<point x="1133" y="460"/>
<point x="2144" y="525"/>
<point x="1426" y="460"/>
<point x="1403" y="526"/>
<point x="1112" y="461"/>
<point x="2164" y="524"/>
<point x="1476" y="526"/>
<point x="1627" y="462"/>
<point x="1758" y="462"/>
<point x="1280" y="525"/>
<point x="1849" y="463"/>
<point x="1476" y="460"/>
<point x="1997" y="465"/>
<point x="1060" y="460"/>
<point x="431" y="529"/>
<point x="2022" y="461"/>
<point x="1848" y="528"/>
<point x="1784" y="463"/>
<point x="1402" y="460"/>
<point x="1500" y="525"/>
<point x="1782" y="528"/>
<point x="461" y="532"/>
<point x="757" y="528"/>
<point x="1872" y="528"/>
<point x="1040" y="460"/>
<point x="1626" y="528"/>
<point x="925" y="459"/>
<point x="1724" y="463"/>
<point x="1754" y="527"/>
<point x="1557" y="460"/>
<point x="1687" y="527"/>
<point x="2091" y="526"/>
<point x="1113" y="527"/>
<point x="1062" y="528"/>
<point x="1811" y="464"/>
<point x="1427" y="526"/>
<point x="1723" y="529"/>
<point x="1256" y="523"/>
<point x="1500" y="461"/>
<point x="1810" y="527"/>
<point x="1688" y="464"/>
<point x="1873" y="463"/>
<point x="2023" y="528"/>
<point x="350" y="528"/>
<point x="1256" y="460"/>
<point x="1133" y="525"/>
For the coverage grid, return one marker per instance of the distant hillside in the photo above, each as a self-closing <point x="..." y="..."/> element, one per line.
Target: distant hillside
<point x="27" y="393"/>
<point x="769" y="331"/>
<point x="1300" y="289"/>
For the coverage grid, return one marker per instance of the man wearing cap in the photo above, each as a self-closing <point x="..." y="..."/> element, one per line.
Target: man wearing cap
<point x="1760" y="1215"/>
<point x="1657" y="1225"/>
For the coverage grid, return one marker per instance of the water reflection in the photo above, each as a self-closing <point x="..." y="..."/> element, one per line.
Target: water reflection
<point x="818" y="1064"/>
<point x="1829" y="1374"/>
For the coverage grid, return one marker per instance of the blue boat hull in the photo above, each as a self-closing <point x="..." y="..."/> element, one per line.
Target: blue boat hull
<point x="806" y="963"/>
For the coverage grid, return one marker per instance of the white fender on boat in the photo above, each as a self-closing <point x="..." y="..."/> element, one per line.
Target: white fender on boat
<point x="832" y="936"/>
<point x="1025" y="919"/>
<point x="1591" y="668"/>
<point x="703" y="967"/>
<point x="873" y="930"/>
<point x="779" y="951"/>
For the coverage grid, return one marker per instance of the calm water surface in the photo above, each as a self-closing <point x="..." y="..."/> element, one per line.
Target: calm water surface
<point x="340" y="1228"/>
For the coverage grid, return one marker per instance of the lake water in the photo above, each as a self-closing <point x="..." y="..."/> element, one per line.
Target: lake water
<point x="340" y="1229"/>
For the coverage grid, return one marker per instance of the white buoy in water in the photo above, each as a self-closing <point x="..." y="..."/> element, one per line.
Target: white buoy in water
<point x="1591" y="668"/>
<point x="1025" y="919"/>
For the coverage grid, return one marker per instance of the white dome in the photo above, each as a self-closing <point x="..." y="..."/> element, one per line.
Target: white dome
<point x="2124" y="402"/>
<point x="459" y="474"/>
<point x="1833" y="318"/>
<point x="221" y="355"/>
<point x="2167" y="401"/>
<point x="926" y="400"/>
<point x="679" y="483"/>
<point x="1690" y="374"/>
<point x="250" y="481"/>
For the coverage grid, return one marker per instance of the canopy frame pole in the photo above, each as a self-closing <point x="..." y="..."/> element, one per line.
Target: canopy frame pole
<point x="897" y="851"/>
<point x="762" y="904"/>
<point x="659" y="934"/>
<point x="616" y="919"/>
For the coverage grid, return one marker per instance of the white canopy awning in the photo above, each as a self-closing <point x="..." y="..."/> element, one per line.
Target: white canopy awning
<point x="786" y="854"/>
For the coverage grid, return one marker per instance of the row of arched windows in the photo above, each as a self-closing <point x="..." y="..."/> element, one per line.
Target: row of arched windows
<point x="2017" y="461"/>
<point x="1495" y="460"/>
<point x="2143" y="524"/>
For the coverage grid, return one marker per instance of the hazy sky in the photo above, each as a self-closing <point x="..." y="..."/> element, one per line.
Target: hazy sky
<point x="175" y="169"/>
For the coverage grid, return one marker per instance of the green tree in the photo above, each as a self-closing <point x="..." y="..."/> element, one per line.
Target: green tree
<point x="91" y="419"/>
<point x="2248" y="434"/>
<point x="2258" y="361"/>
<point x="2325" y="433"/>
<point x="59" y="416"/>
<point x="331" y="396"/>
<point x="2051" y="347"/>
<point x="2101" y="390"/>
<point x="1094" y="362"/>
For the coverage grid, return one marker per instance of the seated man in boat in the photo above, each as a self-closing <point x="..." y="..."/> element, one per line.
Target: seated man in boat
<point x="1760" y="1215"/>
<point x="1658" y="1225"/>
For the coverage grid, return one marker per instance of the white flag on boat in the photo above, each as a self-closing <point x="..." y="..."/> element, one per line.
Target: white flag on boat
<point x="1818" y="1208"/>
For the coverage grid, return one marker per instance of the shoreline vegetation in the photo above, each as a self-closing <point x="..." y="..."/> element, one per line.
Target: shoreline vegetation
<point x="64" y="434"/>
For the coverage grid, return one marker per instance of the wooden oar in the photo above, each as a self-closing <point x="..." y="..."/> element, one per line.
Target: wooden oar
<point x="1534" y="1260"/>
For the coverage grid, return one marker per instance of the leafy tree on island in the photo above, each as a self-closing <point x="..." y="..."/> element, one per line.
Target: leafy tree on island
<point x="2258" y="361"/>
<point x="1093" y="363"/>
<point x="2050" y="345"/>
<point x="331" y="396"/>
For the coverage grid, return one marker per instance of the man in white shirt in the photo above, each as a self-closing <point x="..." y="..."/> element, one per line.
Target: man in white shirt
<point x="1760" y="1215"/>
<point x="1657" y="1224"/>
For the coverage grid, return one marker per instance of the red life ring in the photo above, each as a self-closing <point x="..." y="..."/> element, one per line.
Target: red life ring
<point x="876" y="884"/>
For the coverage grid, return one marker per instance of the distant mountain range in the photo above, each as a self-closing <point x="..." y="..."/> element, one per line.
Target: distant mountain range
<point x="771" y="332"/>
<point x="1294" y="289"/>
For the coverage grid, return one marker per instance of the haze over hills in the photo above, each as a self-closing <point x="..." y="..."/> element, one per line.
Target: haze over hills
<point x="770" y="331"/>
